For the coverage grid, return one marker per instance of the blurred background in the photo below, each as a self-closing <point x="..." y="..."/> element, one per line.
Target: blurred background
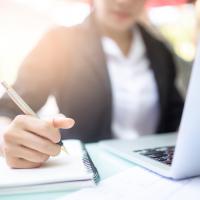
<point x="23" y="22"/>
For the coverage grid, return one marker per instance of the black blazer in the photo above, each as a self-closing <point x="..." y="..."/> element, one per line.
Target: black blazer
<point x="70" y="64"/>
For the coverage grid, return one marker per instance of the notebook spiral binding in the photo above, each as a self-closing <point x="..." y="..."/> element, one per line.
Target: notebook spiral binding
<point x="90" y="166"/>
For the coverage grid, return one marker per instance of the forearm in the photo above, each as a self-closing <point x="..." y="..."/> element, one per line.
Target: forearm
<point x="4" y="122"/>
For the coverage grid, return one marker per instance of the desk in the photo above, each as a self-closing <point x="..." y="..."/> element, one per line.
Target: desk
<point x="106" y="163"/>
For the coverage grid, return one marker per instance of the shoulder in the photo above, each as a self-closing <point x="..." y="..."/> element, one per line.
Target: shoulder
<point x="58" y="42"/>
<point x="67" y="37"/>
<point x="158" y="49"/>
<point x="154" y="40"/>
<point x="60" y="34"/>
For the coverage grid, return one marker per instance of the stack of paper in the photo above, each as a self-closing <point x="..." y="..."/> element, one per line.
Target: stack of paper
<point x="137" y="183"/>
<point x="64" y="172"/>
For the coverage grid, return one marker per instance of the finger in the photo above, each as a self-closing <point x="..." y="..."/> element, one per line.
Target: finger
<point x="17" y="163"/>
<point x="37" y="143"/>
<point x="37" y="126"/>
<point x="26" y="154"/>
<point x="63" y="122"/>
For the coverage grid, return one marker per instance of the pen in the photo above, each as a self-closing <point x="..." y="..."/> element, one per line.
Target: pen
<point x="24" y="106"/>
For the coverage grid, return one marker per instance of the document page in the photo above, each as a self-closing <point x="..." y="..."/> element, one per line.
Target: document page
<point x="138" y="183"/>
<point x="62" y="168"/>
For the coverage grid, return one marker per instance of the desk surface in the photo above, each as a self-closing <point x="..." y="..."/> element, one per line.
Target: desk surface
<point x="106" y="163"/>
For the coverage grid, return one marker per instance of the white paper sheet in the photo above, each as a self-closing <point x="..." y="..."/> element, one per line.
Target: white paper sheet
<point x="137" y="183"/>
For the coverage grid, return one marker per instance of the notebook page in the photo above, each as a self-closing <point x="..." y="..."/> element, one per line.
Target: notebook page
<point x="58" y="169"/>
<point x="137" y="183"/>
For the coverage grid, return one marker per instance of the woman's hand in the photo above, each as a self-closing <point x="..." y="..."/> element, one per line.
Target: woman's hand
<point x="28" y="142"/>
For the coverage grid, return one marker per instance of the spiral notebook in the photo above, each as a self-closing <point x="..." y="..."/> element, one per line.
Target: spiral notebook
<point x="64" y="172"/>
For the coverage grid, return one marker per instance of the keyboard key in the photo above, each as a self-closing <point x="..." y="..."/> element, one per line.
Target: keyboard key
<point x="161" y="154"/>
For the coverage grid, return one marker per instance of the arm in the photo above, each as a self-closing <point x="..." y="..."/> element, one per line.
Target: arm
<point x="38" y="75"/>
<point x="27" y="142"/>
<point x="174" y="111"/>
<point x="175" y="102"/>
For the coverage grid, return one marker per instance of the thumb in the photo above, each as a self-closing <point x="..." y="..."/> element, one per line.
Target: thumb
<point x="60" y="121"/>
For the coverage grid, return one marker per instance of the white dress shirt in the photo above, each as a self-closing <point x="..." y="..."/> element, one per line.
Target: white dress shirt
<point x="135" y="109"/>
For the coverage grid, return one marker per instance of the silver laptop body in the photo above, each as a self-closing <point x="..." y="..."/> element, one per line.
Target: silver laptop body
<point x="169" y="155"/>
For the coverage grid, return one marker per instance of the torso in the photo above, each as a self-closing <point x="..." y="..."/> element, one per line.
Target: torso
<point x="135" y="101"/>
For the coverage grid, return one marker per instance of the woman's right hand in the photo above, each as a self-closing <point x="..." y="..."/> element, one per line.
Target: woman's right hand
<point x="28" y="142"/>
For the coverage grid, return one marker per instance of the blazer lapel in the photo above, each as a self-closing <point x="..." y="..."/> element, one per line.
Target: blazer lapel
<point x="158" y="65"/>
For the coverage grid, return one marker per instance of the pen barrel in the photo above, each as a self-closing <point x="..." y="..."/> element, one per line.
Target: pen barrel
<point x="20" y="102"/>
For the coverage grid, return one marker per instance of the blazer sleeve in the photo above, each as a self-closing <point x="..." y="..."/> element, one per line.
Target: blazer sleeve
<point x="174" y="111"/>
<point x="37" y="76"/>
<point x="175" y="103"/>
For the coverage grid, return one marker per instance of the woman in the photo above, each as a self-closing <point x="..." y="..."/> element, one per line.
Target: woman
<point x="109" y="74"/>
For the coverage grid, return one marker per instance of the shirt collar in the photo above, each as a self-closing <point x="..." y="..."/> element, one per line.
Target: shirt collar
<point x="137" y="49"/>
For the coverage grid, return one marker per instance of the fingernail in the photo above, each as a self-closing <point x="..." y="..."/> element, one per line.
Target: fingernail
<point x="61" y="115"/>
<point x="71" y="123"/>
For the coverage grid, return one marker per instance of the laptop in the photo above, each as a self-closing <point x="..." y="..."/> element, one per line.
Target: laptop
<point x="172" y="155"/>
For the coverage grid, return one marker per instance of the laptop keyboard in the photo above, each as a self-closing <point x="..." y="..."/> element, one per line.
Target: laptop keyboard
<point x="161" y="154"/>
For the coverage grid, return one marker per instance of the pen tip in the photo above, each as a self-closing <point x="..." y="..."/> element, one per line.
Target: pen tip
<point x="64" y="150"/>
